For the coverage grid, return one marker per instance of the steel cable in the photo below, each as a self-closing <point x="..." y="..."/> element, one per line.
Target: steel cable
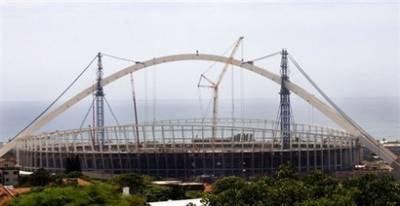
<point x="56" y="99"/>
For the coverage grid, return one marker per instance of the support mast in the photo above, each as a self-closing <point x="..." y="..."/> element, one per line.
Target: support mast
<point x="285" y="102"/>
<point x="100" y="101"/>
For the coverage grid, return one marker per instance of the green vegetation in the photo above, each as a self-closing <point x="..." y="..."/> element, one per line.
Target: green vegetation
<point x="40" y="177"/>
<point x="96" y="194"/>
<point x="62" y="190"/>
<point x="316" y="189"/>
<point x="285" y="188"/>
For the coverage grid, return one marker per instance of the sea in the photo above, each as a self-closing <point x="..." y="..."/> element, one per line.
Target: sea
<point x="380" y="116"/>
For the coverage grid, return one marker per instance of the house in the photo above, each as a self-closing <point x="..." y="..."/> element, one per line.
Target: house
<point x="9" y="171"/>
<point x="9" y="176"/>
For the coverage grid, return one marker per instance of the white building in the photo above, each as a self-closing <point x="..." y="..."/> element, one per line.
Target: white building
<point x="195" y="202"/>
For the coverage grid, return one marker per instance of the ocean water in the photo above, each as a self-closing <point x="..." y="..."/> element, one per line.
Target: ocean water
<point x="379" y="116"/>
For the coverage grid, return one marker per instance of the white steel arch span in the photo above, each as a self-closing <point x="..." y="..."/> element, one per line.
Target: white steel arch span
<point x="328" y="111"/>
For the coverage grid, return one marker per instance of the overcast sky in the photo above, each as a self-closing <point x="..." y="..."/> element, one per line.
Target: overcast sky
<point x="350" y="49"/>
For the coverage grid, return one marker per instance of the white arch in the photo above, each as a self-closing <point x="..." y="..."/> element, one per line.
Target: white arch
<point x="321" y="106"/>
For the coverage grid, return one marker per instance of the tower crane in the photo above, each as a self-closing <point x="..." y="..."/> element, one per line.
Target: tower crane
<point x="215" y="86"/>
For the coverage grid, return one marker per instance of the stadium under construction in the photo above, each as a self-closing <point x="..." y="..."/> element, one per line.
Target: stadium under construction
<point x="198" y="147"/>
<point x="183" y="148"/>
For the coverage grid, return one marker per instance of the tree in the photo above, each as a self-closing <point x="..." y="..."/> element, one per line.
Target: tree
<point x="135" y="182"/>
<point x="316" y="189"/>
<point x="286" y="171"/>
<point x="228" y="183"/>
<point x="288" y="192"/>
<point x="321" y="185"/>
<point x="257" y="192"/>
<point x="374" y="190"/>
<point x="226" y="191"/>
<point x="40" y="177"/>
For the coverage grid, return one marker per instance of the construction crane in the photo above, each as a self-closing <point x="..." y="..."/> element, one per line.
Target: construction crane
<point x="215" y="86"/>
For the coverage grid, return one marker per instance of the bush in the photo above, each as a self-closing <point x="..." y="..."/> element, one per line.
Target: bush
<point x="156" y="193"/>
<point x="53" y="197"/>
<point x="96" y="194"/>
<point x="74" y="174"/>
<point x="191" y="194"/>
